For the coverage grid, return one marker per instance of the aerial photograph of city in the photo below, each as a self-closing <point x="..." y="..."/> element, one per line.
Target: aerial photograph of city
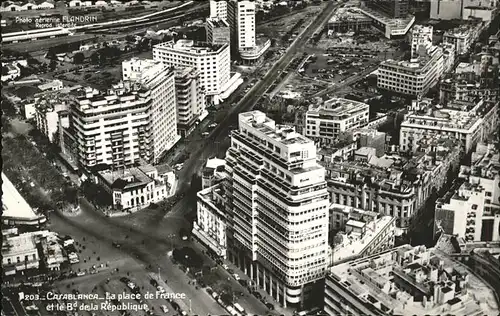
<point x="250" y="157"/>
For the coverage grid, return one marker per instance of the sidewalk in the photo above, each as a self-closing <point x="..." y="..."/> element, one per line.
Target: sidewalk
<point x="278" y="309"/>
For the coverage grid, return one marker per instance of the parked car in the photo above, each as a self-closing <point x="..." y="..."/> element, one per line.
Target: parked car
<point x="164" y="309"/>
<point x="225" y="267"/>
<point x="237" y="277"/>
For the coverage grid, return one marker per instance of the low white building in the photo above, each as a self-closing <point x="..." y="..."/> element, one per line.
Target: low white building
<point x="53" y="85"/>
<point x="137" y="187"/>
<point x="210" y="226"/>
<point x="10" y="71"/>
<point x="19" y="253"/>
<point x="325" y="122"/>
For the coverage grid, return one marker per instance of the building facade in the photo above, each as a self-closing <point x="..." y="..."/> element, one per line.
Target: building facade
<point x="190" y="95"/>
<point x="210" y="226"/>
<point x="414" y="77"/>
<point x="218" y="9"/>
<point x="137" y="187"/>
<point x="420" y="36"/>
<point x="279" y="208"/>
<point x="393" y="187"/>
<point x="158" y="79"/>
<point x="218" y="32"/>
<point x="469" y="123"/>
<point x="463" y="36"/>
<point x="325" y="122"/>
<point x="472" y="211"/>
<point x="117" y="127"/>
<point x="212" y="61"/>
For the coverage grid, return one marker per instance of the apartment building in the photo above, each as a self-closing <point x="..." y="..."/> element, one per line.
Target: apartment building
<point x="123" y="125"/>
<point x="137" y="187"/>
<point x="324" y="122"/>
<point x="212" y="61"/>
<point x="413" y="77"/>
<point x="472" y="211"/>
<point x="469" y="123"/>
<point x="420" y="36"/>
<point x="218" y="32"/>
<point x="210" y="227"/>
<point x="407" y="281"/>
<point x="468" y="87"/>
<point x="241" y="19"/>
<point x="463" y="36"/>
<point x="45" y="110"/>
<point x="157" y="78"/>
<point x="359" y="233"/>
<point x="218" y="9"/>
<point x="190" y="95"/>
<point x="278" y="219"/>
<point x="393" y="185"/>
<point x="240" y="15"/>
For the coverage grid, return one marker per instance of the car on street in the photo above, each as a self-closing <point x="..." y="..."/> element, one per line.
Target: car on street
<point x="212" y="125"/>
<point x="164" y="309"/>
<point x="116" y="245"/>
<point x="236" y="277"/>
<point x="160" y="289"/>
<point x="205" y="134"/>
<point x="225" y="267"/>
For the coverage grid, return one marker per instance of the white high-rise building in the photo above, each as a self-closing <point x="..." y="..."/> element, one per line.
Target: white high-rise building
<point x="211" y="60"/>
<point x="156" y="77"/>
<point x="420" y="35"/>
<point x="241" y="19"/>
<point x="279" y="216"/>
<point x="134" y="120"/>
<point x="218" y="9"/>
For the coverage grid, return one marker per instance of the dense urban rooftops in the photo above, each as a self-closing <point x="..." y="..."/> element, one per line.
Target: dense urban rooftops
<point x="463" y="30"/>
<point x="349" y="243"/>
<point x="439" y="285"/>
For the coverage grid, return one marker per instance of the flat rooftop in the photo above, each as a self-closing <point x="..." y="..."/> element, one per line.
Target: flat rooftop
<point x="283" y="134"/>
<point x="18" y="245"/>
<point x="337" y="108"/>
<point x="13" y="204"/>
<point x="191" y="46"/>
<point x="382" y="281"/>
